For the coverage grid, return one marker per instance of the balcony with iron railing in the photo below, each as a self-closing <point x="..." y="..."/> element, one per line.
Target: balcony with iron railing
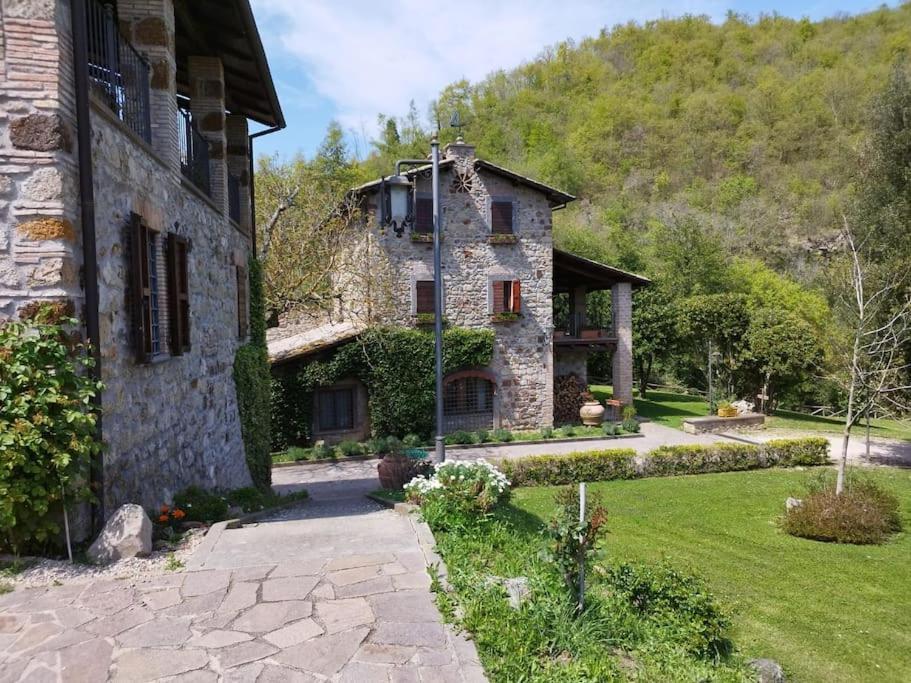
<point x="574" y="330"/>
<point x="194" y="150"/>
<point x="118" y="74"/>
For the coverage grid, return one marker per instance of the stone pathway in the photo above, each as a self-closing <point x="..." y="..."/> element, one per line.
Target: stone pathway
<point x="335" y="589"/>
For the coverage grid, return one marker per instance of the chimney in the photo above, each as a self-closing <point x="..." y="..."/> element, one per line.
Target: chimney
<point x="462" y="152"/>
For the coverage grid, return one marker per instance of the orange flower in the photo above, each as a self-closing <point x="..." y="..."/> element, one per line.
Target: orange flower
<point x="178" y="513"/>
<point x="164" y="509"/>
<point x="163" y="518"/>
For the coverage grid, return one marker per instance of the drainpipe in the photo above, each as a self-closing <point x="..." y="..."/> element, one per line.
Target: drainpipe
<point x="267" y="131"/>
<point x="89" y="255"/>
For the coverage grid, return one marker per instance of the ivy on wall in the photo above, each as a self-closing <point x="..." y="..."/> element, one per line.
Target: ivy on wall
<point x="397" y="367"/>
<point x="252" y="382"/>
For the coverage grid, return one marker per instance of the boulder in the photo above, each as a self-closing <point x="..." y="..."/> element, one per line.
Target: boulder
<point x="518" y="591"/>
<point x="792" y="503"/>
<point x="128" y="533"/>
<point x="768" y="670"/>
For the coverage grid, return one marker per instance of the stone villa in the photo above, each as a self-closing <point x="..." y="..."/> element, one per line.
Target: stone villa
<point x="125" y="191"/>
<point x="500" y="271"/>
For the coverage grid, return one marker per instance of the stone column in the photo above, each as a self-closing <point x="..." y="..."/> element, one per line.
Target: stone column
<point x="622" y="312"/>
<point x="149" y="26"/>
<point x="238" y="161"/>
<point x="207" y="105"/>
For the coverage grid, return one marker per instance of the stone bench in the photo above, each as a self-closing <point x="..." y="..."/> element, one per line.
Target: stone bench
<point x="713" y="423"/>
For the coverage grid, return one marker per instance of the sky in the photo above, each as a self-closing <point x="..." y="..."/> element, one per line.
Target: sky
<point x="350" y="60"/>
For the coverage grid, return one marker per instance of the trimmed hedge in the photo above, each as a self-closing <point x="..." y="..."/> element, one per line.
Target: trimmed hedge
<point x="555" y="470"/>
<point x="604" y="465"/>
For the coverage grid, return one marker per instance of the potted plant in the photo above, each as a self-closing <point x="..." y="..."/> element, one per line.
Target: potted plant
<point x="725" y="409"/>
<point x="591" y="412"/>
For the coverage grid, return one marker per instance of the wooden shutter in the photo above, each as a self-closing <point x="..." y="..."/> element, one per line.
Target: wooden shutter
<point x="241" y="302"/>
<point x="501" y="217"/>
<point x="423" y="215"/>
<point x="178" y="295"/>
<point x="499" y="296"/>
<point x="424" y="296"/>
<point x="140" y="290"/>
<point x="515" y="301"/>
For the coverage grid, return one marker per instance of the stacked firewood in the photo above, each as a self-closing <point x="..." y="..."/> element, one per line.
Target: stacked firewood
<point x="568" y="391"/>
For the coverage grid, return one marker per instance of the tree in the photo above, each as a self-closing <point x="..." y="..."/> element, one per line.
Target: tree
<point x="654" y="331"/>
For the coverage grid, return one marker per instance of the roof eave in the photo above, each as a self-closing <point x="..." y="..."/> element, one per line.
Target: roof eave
<point x="259" y="54"/>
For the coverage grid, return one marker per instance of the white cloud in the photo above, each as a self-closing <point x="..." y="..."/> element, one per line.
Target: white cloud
<point x="375" y="57"/>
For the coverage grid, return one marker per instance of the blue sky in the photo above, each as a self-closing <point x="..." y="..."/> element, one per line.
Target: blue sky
<point x="350" y="60"/>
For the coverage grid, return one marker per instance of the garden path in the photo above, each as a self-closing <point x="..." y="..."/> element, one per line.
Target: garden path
<point x="334" y="589"/>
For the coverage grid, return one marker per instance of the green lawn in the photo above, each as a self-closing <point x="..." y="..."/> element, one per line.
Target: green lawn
<point x="825" y="612"/>
<point x="671" y="409"/>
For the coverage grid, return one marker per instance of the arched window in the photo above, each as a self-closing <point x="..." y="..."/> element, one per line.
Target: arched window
<point x="468" y="401"/>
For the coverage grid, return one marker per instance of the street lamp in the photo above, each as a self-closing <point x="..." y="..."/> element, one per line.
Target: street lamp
<point x="396" y="209"/>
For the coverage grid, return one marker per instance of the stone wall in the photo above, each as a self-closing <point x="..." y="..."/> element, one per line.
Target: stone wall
<point x="522" y="359"/>
<point x="40" y="257"/>
<point x="173" y="422"/>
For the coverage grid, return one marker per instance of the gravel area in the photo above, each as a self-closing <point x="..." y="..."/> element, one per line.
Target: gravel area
<point x="46" y="572"/>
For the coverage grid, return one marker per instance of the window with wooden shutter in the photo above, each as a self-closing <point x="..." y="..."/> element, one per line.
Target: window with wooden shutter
<point x="178" y="295"/>
<point x="501" y="217"/>
<point x="144" y="290"/>
<point x="423" y="291"/>
<point x="507" y="296"/>
<point x="423" y="215"/>
<point x="242" y="286"/>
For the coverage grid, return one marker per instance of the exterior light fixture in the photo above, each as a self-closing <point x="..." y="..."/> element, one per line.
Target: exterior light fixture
<point x="396" y="203"/>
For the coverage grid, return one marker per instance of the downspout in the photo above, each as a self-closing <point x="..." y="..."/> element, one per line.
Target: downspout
<point x="89" y="255"/>
<point x="267" y="131"/>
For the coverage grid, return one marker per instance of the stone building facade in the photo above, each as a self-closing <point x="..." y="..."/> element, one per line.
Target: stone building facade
<point x="171" y="313"/>
<point x="497" y="248"/>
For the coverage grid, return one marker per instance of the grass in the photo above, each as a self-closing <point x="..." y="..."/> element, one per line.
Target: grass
<point x="826" y="612"/>
<point x="670" y="409"/>
<point x="390" y="495"/>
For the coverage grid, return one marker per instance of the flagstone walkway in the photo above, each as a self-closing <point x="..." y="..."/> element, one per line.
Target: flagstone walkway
<point x="335" y="589"/>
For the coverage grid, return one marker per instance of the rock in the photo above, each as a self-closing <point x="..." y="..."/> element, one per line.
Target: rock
<point x="40" y="132"/>
<point x="792" y="503"/>
<point x="518" y="591"/>
<point x="128" y="533"/>
<point x="769" y="670"/>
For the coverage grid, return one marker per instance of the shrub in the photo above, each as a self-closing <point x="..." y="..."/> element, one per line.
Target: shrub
<point x="795" y="452"/>
<point x="458" y="494"/>
<point x="483" y="436"/>
<point x="547" y="432"/>
<point x="700" y="459"/>
<point x="201" y="505"/>
<point x="567" y="431"/>
<point x="629" y="413"/>
<point x="253" y="386"/>
<point x="630" y="426"/>
<point x="677" y="603"/>
<point x="573" y="542"/>
<point x="555" y="470"/>
<point x="412" y="440"/>
<point x="611" y="429"/>
<point x="378" y="445"/>
<point x="460" y="437"/>
<point x="864" y="513"/>
<point x="248" y="499"/>
<point x="348" y="448"/>
<point x="502" y="435"/>
<point x="47" y="427"/>
<point x="321" y="451"/>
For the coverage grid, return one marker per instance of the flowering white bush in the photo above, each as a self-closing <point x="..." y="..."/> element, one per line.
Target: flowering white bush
<point x="460" y="488"/>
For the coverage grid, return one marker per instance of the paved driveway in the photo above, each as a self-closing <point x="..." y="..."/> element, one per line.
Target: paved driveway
<point x="335" y="589"/>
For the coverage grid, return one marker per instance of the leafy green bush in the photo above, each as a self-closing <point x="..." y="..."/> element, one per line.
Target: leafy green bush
<point x="253" y="385"/>
<point x="502" y="435"/>
<point x="567" y="431"/>
<point x="458" y="494"/>
<point x="700" y="459"/>
<point x="483" y="436"/>
<point x="678" y="603"/>
<point x="248" y="499"/>
<point x="378" y="445"/>
<point x="630" y="426"/>
<point x="547" y="432"/>
<point x="47" y="428"/>
<point x="460" y="437"/>
<point x="322" y="451"/>
<point x="573" y="542"/>
<point x="611" y="429"/>
<point x="348" y="448"/>
<point x="864" y="513"/>
<point x="796" y="452"/>
<point x="200" y="505"/>
<point x="413" y="440"/>
<point x="555" y="470"/>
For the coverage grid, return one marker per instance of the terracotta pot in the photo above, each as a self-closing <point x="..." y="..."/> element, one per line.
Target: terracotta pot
<point x="592" y="413"/>
<point x="395" y="470"/>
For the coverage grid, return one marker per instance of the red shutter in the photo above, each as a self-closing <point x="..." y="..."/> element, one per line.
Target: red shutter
<point x="499" y="296"/>
<point x="139" y="289"/>
<point x="515" y="303"/>
<point x="423" y="215"/>
<point x="501" y="217"/>
<point x="178" y="295"/>
<point x="424" y="302"/>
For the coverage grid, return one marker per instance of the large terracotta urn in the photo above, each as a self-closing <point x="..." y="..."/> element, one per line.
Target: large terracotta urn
<point x="395" y="470"/>
<point x="592" y="413"/>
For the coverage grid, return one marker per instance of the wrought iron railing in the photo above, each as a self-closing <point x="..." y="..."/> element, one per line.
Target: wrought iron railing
<point x="194" y="151"/>
<point x="119" y="75"/>
<point x="234" y="198"/>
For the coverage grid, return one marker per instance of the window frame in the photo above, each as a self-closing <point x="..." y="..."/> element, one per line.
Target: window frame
<point x="494" y="230"/>
<point x="423" y="197"/>
<point x="511" y="299"/>
<point x="417" y="298"/>
<point x="332" y="393"/>
<point x="144" y="288"/>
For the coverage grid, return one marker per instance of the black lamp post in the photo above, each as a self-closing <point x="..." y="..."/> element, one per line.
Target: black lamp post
<point x="396" y="207"/>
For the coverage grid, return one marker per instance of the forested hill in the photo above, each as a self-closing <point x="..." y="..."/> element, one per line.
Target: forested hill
<point x="751" y="129"/>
